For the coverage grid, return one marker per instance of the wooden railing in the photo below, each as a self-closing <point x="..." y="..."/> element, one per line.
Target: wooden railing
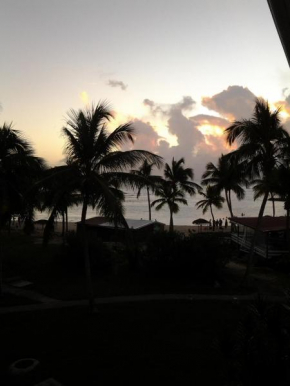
<point x="260" y="250"/>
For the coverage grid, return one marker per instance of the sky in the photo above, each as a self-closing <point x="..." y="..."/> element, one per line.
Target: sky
<point x="181" y="70"/>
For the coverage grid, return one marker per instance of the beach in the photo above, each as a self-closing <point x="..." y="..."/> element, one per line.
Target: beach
<point x="185" y="229"/>
<point x="138" y="209"/>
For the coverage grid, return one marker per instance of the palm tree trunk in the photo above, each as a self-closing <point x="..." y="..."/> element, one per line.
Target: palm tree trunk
<point x="229" y="203"/>
<point x="213" y="220"/>
<point x="273" y="204"/>
<point x="63" y="224"/>
<point x="171" y="221"/>
<point x="149" y="204"/>
<point x="250" y="261"/>
<point x="87" y="257"/>
<point x="66" y="220"/>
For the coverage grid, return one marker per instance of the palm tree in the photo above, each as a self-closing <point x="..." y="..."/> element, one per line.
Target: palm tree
<point x="281" y="190"/>
<point x="19" y="169"/>
<point x="58" y="193"/>
<point x="171" y="196"/>
<point x="211" y="198"/>
<point x="261" y="142"/>
<point x="181" y="178"/>
<point x="147" y="180"/>
<point x="227" y="176"/>
<point x="269" y="183"/>
<point x="100" y="167"/>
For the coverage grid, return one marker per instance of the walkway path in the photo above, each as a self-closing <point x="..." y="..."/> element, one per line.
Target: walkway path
<point x="52" y="304"/>
<point x="29" y="294"/>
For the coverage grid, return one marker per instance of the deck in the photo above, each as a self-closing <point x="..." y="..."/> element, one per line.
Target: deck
<point x="261" y="250"/>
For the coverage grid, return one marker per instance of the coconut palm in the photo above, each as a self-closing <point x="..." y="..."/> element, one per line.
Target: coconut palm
<point x="281" y="190"/>
<point x="227" y="175"/>
<point x="58" y="192"/>
<point x="270" y="183"/>
<point x="261" y="142"/>
<point x="181" y="178"/>
<point x="148" y="181"/>
<point x="19" y="169"/>
<point x="171" y="196"/>
<point x="212" y="198"/>
<point x="100" y="167"/>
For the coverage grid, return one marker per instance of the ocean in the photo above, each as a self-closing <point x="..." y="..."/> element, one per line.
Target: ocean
<point x="138" y="209"/>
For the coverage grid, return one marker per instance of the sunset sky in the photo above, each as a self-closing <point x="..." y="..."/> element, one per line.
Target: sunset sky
<point x="180" y="70"/>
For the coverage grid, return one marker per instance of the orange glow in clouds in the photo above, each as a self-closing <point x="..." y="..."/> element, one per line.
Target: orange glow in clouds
<point x="284" y="109"/>
<point x="214" y="137"/>
<point x="207" y="129"/>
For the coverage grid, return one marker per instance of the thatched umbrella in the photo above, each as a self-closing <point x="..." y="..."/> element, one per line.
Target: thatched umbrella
<point x="201" y="222"/>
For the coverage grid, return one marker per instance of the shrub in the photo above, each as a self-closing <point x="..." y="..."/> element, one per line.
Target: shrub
<point x="102" y="257"/>
<point x="197" y="255"/>
<point x="258" y="352"/>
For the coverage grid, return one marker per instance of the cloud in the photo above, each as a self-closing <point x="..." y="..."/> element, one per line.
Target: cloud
<point x="117" y="83"/>
<point x="186" y="104"/>
<point x="149" y="102"/>
<point x="186" y="129"/>
<point x="146" y="137"/>
<point x="234" y="103"/>
<point x="204" y="119"/>
<point x="154" y="108"/>
<point x="200" y="137"/>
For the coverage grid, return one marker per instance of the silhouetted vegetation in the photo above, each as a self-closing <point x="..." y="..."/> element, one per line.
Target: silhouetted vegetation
<point x="262" y="144"/>
<point x="211" y="198"/>
<point x="258" y="351"/>
<point x="102" y="257"/>
<point x="177" y="182"/>
<point x="197" y="256"/>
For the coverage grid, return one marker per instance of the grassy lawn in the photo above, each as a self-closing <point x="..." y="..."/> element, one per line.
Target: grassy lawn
<point x="44" y="267"/>
<point x="168" y="342"/>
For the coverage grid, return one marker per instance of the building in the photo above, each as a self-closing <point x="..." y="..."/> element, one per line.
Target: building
<point x="271" y="240"/>
<point x="104" y="229"/>
<point x="280" y="10"/>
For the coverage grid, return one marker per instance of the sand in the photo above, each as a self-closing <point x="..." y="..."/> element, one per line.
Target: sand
<point x="72" y="226"/>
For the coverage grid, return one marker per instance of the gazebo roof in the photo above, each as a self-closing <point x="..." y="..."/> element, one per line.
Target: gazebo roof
<point x="105" y="223"/>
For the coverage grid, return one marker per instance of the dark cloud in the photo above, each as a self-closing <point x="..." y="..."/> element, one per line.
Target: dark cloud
<point x="146" y="137"/>
<point x="186" y="104"/>
<point x="117" y="83"/>
<point x="148" y="102"/>
<point x="154" y="108"/>
<point x="234" y="103"/>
